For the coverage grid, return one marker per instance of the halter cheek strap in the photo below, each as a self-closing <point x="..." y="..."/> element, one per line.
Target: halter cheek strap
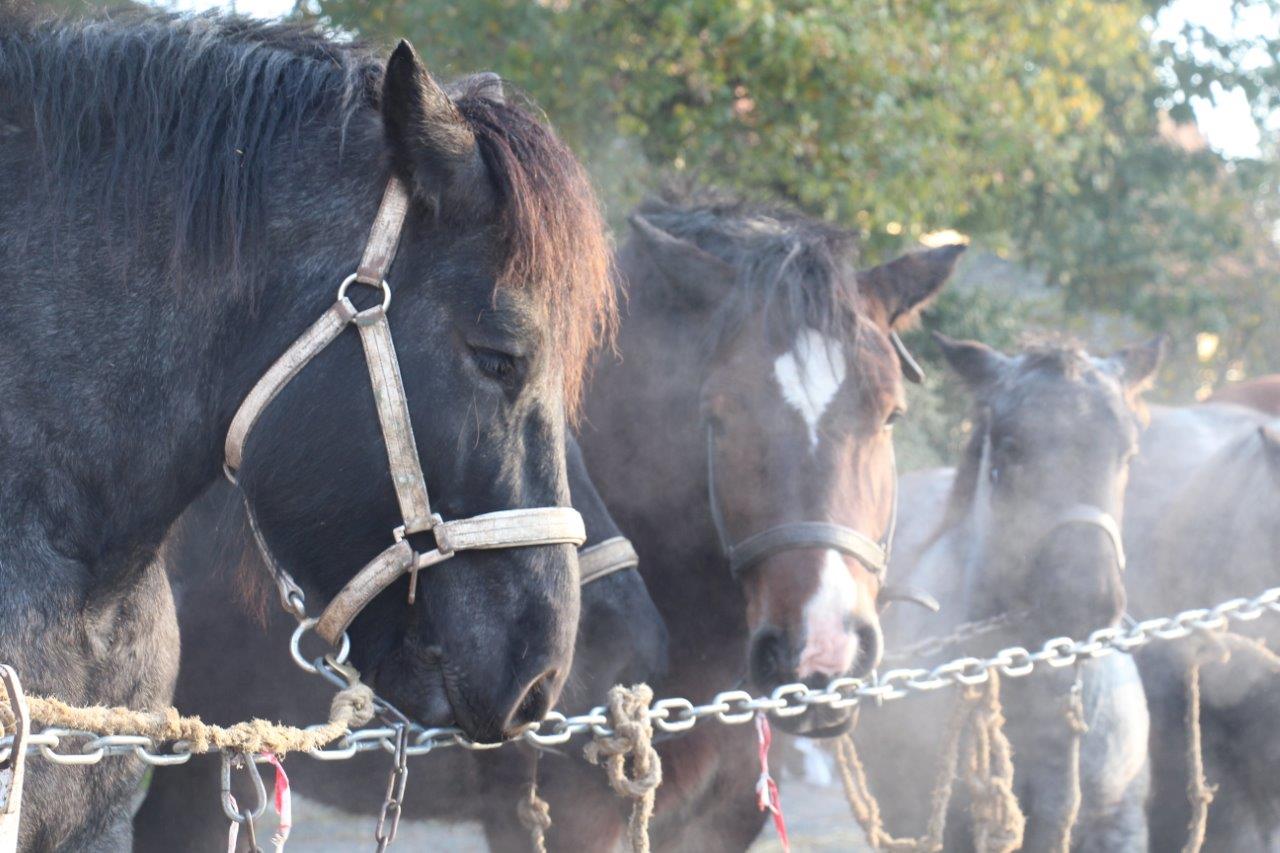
<point x="512" y="528"/>
<point x="795" y="535"/>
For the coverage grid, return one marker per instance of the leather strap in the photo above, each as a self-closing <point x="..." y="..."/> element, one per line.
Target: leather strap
<point x="312" y="342"/>
<point x="794" y="535"/>
<point x="513" y="528"/>
<point x="384" y="237"/>
<point x="605" y="558"/>
<point x="393" y="414"/>
<point x="807" y="534"/>
<point x="1090" y="515"/>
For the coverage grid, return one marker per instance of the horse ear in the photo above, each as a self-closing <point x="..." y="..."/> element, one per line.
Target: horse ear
<point x="978" y="365"/>
<point x="905" y="285"/>
<point x="698" y="276"/>
<point x="430" y="141"/>
<point x="1139" y="363"/>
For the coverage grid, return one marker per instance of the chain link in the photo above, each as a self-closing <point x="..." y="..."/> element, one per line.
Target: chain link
<point x="389" y="817"/>
<point x="677" y="714"/>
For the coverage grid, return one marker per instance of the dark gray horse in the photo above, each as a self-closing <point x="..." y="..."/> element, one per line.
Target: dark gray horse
<point x="1203" y="511"/>
<point x="182" y="197"/>
<point x="621" y="639"/>
<point x="1027" y="529"/>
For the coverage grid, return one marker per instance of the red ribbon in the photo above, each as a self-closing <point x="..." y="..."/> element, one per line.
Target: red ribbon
<point x="767" y="796"/>
<point x="283" y="803"/>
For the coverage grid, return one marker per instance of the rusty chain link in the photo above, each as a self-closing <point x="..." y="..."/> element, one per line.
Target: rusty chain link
<point x="676" y="714"/>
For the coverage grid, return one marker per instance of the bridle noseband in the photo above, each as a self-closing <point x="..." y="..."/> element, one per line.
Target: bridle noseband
<point x="794" y="535"/>
<point x="512" y="528"/>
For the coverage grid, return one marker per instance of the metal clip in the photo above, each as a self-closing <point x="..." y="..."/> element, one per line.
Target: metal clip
<point x="11" y="776"/>
<point x="389" y="818"/>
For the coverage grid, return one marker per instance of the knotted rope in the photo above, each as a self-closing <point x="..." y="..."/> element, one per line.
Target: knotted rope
<point x="975" y="744"/>
<point x="351" y="707"/>
<point x="1073" y="713"/>
<point x="633" y="736"/>
<point x="533" y="811"/>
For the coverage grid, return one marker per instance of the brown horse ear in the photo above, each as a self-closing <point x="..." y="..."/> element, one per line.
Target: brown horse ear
<point x="905" y="285"/>
<point x="977" y="364"/>
<point x="1139" y="363"/>
<point x="700" y="278"/>
<point x="431" y="143"/>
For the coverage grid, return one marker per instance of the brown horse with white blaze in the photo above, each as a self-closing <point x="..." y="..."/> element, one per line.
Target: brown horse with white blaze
<point x="754" y="351"/>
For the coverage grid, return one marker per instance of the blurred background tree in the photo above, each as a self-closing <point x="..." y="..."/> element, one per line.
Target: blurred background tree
<point x="1057" y="135"/>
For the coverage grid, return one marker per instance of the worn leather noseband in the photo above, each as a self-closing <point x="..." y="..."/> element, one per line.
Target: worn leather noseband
<point x="605" y="558"/>
<point x="512" y="528"/>
<point x="1089" y="515"/>
<point x="792" y="536"/>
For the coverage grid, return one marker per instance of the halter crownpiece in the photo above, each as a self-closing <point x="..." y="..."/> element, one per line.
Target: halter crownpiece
<point x="512" y="528"/>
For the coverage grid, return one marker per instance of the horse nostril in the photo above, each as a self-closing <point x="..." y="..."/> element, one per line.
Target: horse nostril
<point x="870" y="648"/>
<point x="534" y="705"/>
<point x="768" y="657"/>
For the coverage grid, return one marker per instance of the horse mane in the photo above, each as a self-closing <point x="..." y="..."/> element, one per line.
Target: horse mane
<point x="128" y="104"/>
<point x="794" y="270"/>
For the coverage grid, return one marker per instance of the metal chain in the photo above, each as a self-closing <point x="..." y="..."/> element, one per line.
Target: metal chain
<point x="735" y="707"/>
<point x="389" y="817"/>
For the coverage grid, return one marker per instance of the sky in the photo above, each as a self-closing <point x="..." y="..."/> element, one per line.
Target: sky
<point x="1227" y="123"/>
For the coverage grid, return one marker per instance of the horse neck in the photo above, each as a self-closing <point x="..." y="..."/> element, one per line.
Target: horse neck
<point x="120" y="382"/>
<point x="646" y="450"/>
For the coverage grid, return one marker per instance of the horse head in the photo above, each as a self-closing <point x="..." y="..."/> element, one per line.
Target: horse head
<point x="1044" y="476"/>
<point x="799" y="385"/>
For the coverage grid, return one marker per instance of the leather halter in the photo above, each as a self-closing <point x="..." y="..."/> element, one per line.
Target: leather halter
<point x="1089" y="515"/>
<point x="512" y="528"/>
<point x="605" y="558"/>
<point x="792" y="536"/>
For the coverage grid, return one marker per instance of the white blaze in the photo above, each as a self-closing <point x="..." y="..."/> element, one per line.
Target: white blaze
<point x="830" y="648"/>
<point x="810" y="374"/>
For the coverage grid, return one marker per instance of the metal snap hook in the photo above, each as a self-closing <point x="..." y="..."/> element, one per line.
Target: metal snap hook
<point x="229" y="806"/>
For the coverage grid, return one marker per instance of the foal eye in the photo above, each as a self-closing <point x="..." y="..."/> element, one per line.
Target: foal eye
<point x="496" y="365"/>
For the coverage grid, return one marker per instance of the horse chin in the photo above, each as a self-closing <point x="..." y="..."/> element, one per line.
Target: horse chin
<point x="819" y="722"/>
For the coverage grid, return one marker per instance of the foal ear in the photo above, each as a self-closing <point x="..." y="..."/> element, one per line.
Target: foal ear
<point x="1139" y="363"/>
<point x="698" y="277"/>
<point x="431" y="143"/>
<point x="977" y="364"/>
<point x="905" y="285"/>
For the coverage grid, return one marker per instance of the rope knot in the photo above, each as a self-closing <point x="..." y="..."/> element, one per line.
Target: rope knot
<point x="353" y="705"/>
<point x="632" y="736"/>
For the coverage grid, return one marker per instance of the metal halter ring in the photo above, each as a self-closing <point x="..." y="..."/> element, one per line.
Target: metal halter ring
<point x="295" y="646"/>
<point x="370" y="313"/>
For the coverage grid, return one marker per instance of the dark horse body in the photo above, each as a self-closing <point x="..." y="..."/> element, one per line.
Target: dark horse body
<point x="1053" y="430"/>
<point x="621" y="639"/>
<point x="1203" y="509"/>
<point x="182" y="197"/>
<point x="750" y="321"/>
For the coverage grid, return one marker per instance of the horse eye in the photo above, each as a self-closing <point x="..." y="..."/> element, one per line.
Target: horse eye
<point x="894" y="416"/>
<point x="496" y="365"/>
